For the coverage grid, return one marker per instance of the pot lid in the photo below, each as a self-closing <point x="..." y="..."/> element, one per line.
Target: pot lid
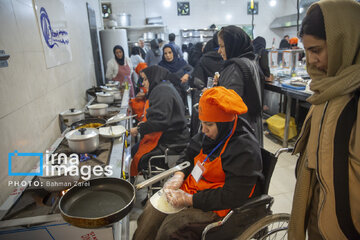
<point x="82" y="134"/>
<point x="71" y="112"/>
<point x="98" y="106"/>
<point x="104" y="94"/>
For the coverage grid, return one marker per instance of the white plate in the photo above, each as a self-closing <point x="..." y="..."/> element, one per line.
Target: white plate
<point x="116" y="131"/>
<point x="159" y="201"/>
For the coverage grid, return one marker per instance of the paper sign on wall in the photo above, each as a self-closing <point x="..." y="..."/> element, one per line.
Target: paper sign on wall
<point x="54" y="32"/>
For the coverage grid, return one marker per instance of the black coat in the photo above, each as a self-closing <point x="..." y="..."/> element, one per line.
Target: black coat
<point x="166" y="113"/>
<point x="241" y="163"/>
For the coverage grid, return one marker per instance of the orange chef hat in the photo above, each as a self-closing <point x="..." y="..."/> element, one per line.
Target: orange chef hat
<point x="293" y="41"/>
<point x="140" y="67"/>
<point x="219" y="104"/>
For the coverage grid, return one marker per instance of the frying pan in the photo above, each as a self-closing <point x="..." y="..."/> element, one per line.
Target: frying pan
<point x="80" y="123"/>
<point x="105" y="200"/>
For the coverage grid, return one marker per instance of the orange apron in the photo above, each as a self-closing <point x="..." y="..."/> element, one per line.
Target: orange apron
<point x="147" y="144"/>
<point x="138" y="106"/>
<point x="213" y="176"/>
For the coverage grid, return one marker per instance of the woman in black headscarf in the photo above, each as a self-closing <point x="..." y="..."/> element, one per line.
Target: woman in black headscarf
<point x="120" y="68"/>
<point x="165" y="121"/>
<point x="210" y="62"/>
<point x="241" y="73"/>
<point x="261" y="54"/>
<point x="178" y="66"/>
<point x="153" y="57"/>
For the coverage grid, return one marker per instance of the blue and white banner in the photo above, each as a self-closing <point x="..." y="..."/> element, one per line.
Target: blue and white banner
<point x="53" y="32"/>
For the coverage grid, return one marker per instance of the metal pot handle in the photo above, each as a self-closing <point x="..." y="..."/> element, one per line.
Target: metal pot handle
<point x="162" y="175"/>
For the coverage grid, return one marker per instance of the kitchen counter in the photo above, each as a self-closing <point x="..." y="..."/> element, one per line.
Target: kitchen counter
<point x="290" y="94"/>
<point x="49" y="225"/>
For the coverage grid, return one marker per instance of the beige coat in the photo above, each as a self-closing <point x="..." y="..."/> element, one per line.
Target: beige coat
<point x="316" y="163"/>
<point x="333" y="89"/>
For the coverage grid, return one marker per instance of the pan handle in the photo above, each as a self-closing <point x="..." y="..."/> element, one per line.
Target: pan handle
<point x="162" y="175"/>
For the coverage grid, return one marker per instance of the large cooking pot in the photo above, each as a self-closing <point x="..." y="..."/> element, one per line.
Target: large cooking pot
<point x="99" y="109"/>
<point x="105" y="200"/>
<point x="83" y="140"/>
<point x="104" y="97"/>
<point x="70" y="116"/>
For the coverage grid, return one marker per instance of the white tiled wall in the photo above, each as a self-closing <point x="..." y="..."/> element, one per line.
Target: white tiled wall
<point x="203" y="13"/>
<point x="32" y="96"/>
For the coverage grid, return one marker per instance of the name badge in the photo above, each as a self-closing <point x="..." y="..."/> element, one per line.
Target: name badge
<point x="197" y="171"/>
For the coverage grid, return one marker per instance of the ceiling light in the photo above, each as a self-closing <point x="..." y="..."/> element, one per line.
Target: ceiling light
<point x="167" y="3"/>
<point x="222" y="1"/>
<point x="272" y="3"/>
<point x="228" y="17"/>
<point x="301" y="10"/>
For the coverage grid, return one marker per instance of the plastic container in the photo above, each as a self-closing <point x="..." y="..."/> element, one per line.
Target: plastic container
<point x="276" y="125"/>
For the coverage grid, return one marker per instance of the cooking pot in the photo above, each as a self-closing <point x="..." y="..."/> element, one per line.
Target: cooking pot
<point x="70" y="116"/>
<point x="58" y="179"/>
<point x="104" y="97"/>
<point x="123" y="19"/>
<point x="83" y="140"/>
<point x="113" y="84"/>
<point x="98" y="109"/>
<point x="117" y="94"/>
<point x="88" y="123"/>
<point x="105" y="200"/>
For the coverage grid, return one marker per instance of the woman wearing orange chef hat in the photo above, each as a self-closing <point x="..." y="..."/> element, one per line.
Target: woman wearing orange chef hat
<point x="225" y="168"/>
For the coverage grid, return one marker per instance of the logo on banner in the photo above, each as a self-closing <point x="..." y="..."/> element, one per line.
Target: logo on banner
<point x="52" y="37"/>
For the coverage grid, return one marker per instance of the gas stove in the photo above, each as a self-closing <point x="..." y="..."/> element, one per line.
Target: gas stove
<point x="31" y="205"/>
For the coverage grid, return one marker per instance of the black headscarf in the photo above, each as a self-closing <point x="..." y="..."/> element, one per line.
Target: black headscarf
<point x="119" y="61"/>
<point x="212" y="45"/>
<point x="176" y="64"/>
<point x="259" y="44"/>
<point x="155" y="75"/>
<point x="154" y="44"/>
<point x="237" y="43"/>
<point x="224" y="129"/>
<point x="195" y="54"/>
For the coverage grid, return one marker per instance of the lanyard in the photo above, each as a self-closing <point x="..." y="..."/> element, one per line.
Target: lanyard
<point x="222" y="141"/>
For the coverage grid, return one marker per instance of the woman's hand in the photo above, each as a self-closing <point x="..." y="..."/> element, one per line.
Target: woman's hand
<point x="185" y="78"/>
<point x="175" y="181"/>
<point x="216" y="79"/>
<point x="179" y="198"/>
<point x="134" y="131"/>
<point x="140" y="95"/>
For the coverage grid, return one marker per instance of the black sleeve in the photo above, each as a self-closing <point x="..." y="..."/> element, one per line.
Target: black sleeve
<point x="232" y="79"/>
<point x="242" y="166"/>
<point x="264" y="63"/>
<point x="159" y="112"/>
<point x="187" y="69"/>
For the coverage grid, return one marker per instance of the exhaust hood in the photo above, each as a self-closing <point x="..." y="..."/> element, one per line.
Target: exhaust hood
<point x="291" y="20"/>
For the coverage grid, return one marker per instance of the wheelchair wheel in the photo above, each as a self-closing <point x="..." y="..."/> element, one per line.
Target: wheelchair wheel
<point x="270" y="227"/>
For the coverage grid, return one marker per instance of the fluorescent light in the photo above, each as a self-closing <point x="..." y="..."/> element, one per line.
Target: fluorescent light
<point x="167" y="3"/>
<point x="228" y="17"/>
<point x="272" y="3"/>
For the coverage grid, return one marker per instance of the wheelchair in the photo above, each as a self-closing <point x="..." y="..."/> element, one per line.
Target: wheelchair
<point x="160" y="163"/>
<point x="263" y="224"/>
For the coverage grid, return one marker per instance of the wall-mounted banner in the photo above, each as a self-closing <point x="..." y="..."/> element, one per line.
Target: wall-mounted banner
<point x="54" y="32"/>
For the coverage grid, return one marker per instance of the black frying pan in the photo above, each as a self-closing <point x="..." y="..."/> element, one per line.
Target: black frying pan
<point x="80" y="123"/>
<point x="105" y="200"/>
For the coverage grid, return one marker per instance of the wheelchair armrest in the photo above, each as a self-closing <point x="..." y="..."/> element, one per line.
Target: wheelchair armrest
<point x="256" y="202"/>
<point x="177" y="147"/>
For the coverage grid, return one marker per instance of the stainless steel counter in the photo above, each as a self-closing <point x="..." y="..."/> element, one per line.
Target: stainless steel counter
<point x="50" y="224"/>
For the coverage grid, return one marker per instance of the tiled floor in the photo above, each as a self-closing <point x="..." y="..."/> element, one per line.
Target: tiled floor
<point x="281" y="187"/>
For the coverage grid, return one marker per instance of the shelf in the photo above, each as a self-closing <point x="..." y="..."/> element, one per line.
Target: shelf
<point x="141" y="27"/>
<point x="200" y="29"/>
<point x="198" y="36"/>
